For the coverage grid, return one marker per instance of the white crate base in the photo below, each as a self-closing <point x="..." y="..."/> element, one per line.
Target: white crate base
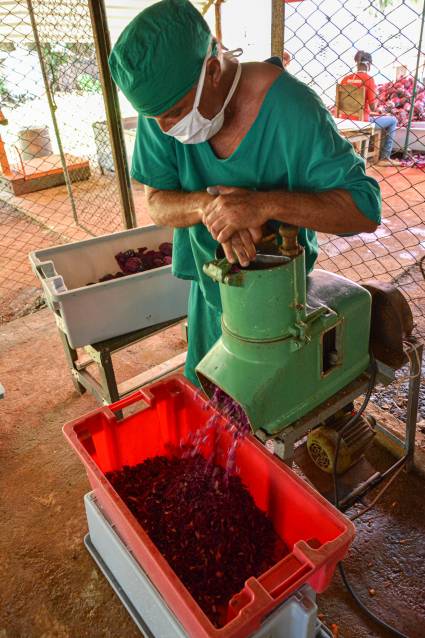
<point x="294" y="618"/>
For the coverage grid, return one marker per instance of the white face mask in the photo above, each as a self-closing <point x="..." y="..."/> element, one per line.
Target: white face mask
<point x="194" y="128"/>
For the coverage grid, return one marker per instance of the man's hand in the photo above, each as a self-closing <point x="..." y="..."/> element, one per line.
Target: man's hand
<point x="232" y="211"/>
<point x="241" y="246"/>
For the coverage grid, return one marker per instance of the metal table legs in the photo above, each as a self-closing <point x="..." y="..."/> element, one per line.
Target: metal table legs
<point x="107" y="391"/>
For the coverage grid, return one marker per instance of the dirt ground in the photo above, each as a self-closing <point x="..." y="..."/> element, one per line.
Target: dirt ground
<point x="50" y="587"/>
<point x="19" y="289"/>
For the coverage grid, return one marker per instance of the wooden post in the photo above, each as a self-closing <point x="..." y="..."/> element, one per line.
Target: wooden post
<point x="278" y="22"/>
<point x="218" y="31"/>
<point x="4" y="162"/>
<point x="102" y="43"/>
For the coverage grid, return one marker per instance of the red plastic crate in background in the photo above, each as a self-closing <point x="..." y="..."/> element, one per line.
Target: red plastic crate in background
<point x="316" y="533"/>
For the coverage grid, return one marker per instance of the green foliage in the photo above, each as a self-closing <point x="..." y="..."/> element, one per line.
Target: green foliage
<point x="6" y="97"/>
<point x="3" y="90"/>
<point x="54" y="59"/>
<point x="386" y="4"/>
<point x="81" y="49"/>
<point x="88" y="84"/>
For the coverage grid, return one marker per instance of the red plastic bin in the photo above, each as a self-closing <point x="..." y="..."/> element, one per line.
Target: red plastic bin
<point x="317" y="534"/>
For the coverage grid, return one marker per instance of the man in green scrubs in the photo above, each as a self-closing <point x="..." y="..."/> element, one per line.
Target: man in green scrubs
<point x="261" y="137"/>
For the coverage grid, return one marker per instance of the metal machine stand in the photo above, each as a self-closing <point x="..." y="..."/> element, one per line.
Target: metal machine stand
<point x="108" y="390"/>
<point x="361" y="477"/>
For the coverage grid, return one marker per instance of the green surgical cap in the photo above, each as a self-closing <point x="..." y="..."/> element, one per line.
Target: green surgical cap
<point x="158" y="57"/>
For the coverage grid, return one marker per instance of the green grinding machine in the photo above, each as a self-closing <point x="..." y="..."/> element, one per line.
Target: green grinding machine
<point x="289" y="342"/>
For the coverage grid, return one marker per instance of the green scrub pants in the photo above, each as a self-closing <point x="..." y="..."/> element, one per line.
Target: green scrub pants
<point x="204" y="329"/>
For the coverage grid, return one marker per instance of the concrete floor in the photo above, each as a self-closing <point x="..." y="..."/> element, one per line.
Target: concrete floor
<point x="50" y="586"/>
<point x="386" y="564"/>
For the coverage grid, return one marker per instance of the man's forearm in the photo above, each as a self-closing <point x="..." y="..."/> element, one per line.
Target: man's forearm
<point x="332" y="211"/>
<point x="174" y="208"/>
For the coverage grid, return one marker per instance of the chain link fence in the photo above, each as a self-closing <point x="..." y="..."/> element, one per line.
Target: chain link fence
<point x="57" y="178"/>
<point x="323" y="37"/>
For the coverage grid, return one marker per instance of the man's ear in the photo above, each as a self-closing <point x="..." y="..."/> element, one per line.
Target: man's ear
<point x="213" y="71"/>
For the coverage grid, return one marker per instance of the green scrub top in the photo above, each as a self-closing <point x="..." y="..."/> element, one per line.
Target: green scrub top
<point x="293" y="144"/>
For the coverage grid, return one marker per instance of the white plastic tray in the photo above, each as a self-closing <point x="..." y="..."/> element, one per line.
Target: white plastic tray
<point x="88" y="314"/>
<point x="416" y="140"/>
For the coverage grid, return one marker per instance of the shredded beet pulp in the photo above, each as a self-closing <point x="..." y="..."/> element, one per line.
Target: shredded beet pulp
<point x="204" y="523"/>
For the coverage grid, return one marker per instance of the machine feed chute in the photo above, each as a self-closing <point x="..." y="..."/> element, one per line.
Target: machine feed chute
<point x="288" y="342"/>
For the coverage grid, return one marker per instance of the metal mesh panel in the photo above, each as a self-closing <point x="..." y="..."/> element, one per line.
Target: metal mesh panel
<point x="57" y="177"/>
<point x="322" y="37"/>
<point x="59" y="119"/>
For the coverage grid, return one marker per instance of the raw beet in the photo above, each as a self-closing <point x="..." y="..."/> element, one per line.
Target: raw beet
<point x="395" y="98"/>
<point x="235" y="415"/>
<point x="134" y="261"/>
<point x="123" y="257"/>
<point x="132" y="265"/>
<point x="415" y="160"/>
<point x="204" y="523"/>
<point x="166" y="248"/>
<point x="106" y="278"/>
<point x="232" y="411"/>
<point x="158" y="262"/>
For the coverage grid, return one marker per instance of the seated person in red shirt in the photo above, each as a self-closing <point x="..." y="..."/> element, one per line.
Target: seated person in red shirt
<point x="388" y="123"/>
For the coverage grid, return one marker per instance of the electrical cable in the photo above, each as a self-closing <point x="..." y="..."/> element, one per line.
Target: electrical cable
<point x="380" y="493"/>
<point x="349" y="423"/>
<point x="366" y="610"/>
<point x="407" y="345"/>
<point x="418" y="361"/>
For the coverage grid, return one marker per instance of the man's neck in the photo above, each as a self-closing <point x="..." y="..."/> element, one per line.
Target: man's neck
<point x="230" y="68"/>
<point x="256" y="79"/>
